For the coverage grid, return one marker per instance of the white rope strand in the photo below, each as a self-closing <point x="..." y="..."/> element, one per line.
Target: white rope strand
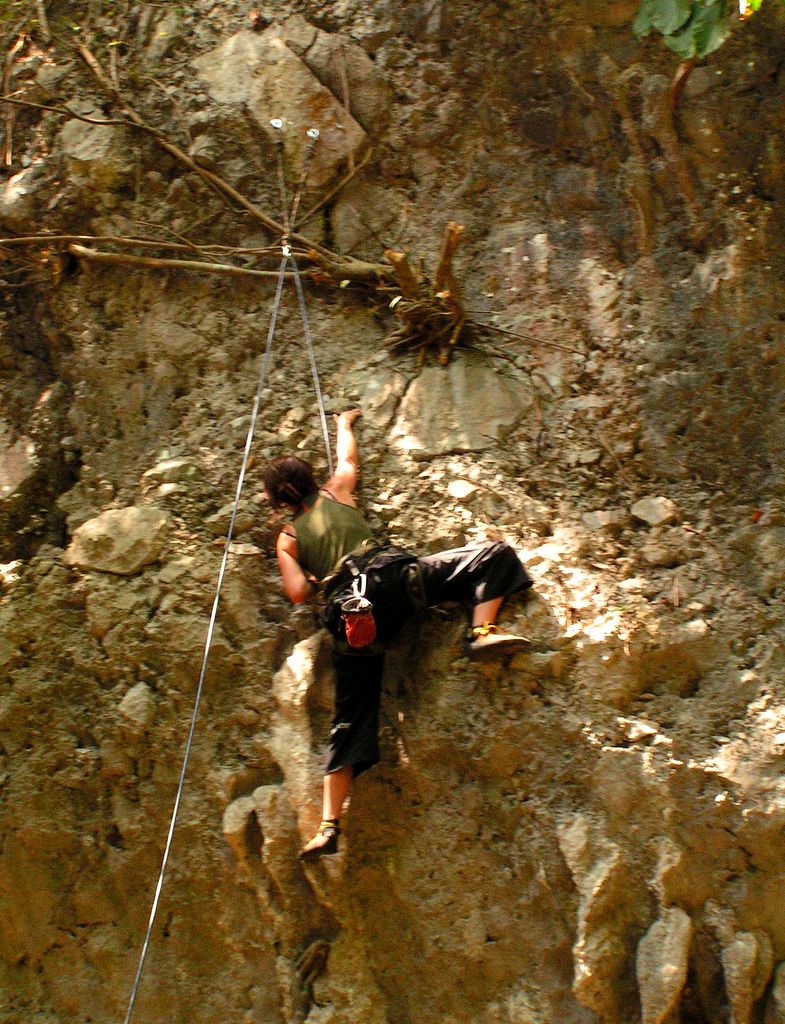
<point x="312" y="357"/>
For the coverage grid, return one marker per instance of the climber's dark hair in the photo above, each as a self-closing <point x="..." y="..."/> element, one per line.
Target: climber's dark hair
<point x="289" y="481"/>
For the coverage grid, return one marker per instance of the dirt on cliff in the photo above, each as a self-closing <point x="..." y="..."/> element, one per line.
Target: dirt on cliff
<point x="591" y="830"/>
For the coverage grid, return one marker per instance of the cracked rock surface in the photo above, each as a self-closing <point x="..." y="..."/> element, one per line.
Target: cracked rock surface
<point x="589" y="831"/>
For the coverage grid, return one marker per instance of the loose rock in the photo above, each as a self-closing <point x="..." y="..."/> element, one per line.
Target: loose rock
<point x="775" y="1007"/>
<point x="661" y="964"/>
<point x="97" y="157"/>
<point x="17" y="462"/>
<point x="170" y="471"/>
<point x="137" y="707"/>
<point x="120" y="541"/>
<point x="258" y="72"/>
<point x="610" y="521"/>
<point x="747" y="962"/>
<point x="655" y="511"/>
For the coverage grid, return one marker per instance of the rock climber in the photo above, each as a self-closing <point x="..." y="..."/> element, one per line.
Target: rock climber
<point x="328" y="548"/>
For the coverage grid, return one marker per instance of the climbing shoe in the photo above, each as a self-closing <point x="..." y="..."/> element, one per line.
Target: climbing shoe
<point x="324" y="843"/>
<point x="488" y="639"/>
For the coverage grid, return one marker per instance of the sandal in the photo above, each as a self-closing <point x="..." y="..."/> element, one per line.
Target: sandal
<point x="325" y="842"/>
<point x="488" y="639"/>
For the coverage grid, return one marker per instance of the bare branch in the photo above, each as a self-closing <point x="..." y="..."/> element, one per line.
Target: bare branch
<point x="45" y="241"/>
<point x="176" y="105"/>
<point x="13" y="243"/>
<point x="683" y="72"/>
<point x="338" y="53"/>
<point x="337" y="188"/>
<point x="10" y="114"/>
<point x="351" y="270"/>
<point x="67" y="112"/>
<point x="125" y="259"/>
<point x="529" y="341"/>
<point x="43" y="21"/>
<point x="185" y="242"/>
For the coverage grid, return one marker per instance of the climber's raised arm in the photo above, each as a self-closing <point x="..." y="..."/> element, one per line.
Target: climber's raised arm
<point x="347" y="458"/>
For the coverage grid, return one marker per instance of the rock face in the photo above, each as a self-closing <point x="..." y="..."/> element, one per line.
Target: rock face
<point x="775" y="1007"/>
<point x="137" y="707"/>
<point x="261" y="74"/>
<point x="747" y="961"/>
<point x="120" y="541"/>
<point x="599" y="948"/>
<point x="34" y="470"/>
<point x="17" y="462"/>
<point x="589" y="831"/>
<point x="96" y="156"/>
<point x="18" y="199"/>
<point x="463" y="407"/>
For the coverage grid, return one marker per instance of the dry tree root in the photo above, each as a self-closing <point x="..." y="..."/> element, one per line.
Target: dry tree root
<point x="433" y="316"/>
<point x="636" y="167"/>
<point x="10" y="112"/>
<point x="43" y="21"/>
<point x="683" y="72"/>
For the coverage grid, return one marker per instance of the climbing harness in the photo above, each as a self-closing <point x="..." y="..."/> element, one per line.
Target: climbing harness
<point x="287" y="259"/>
<point x="373" y="591"/>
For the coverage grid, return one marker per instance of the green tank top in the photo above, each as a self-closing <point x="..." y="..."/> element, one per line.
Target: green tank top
<point x="327" y="531"/>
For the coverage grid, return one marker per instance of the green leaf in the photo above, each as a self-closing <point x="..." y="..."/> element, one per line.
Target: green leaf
<point x="668" y="16"/>
<point x="712" y="29"/>
<point x="706" y="31"/>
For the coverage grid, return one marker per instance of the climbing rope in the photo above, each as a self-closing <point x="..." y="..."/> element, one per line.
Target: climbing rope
<point x="289" y="219"/>
<point x="312" y="357"/>
<point x="287" y="258"/>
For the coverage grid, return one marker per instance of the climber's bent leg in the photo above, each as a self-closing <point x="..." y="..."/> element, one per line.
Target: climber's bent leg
<point x="337" y="786"/>
<point x="483" y="575"/>
<point x="354" y="740"/>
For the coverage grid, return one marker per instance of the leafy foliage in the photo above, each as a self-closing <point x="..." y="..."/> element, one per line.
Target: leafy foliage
<point x="692" y="28"/>
<point x="667" y="16"/>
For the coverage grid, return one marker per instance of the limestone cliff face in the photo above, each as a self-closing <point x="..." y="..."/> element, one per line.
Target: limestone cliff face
<point x="591" y="831"/>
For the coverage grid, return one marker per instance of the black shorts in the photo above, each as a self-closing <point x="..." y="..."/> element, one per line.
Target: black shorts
<point x="354" y="739"/>
<point x="474" y="573"/>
